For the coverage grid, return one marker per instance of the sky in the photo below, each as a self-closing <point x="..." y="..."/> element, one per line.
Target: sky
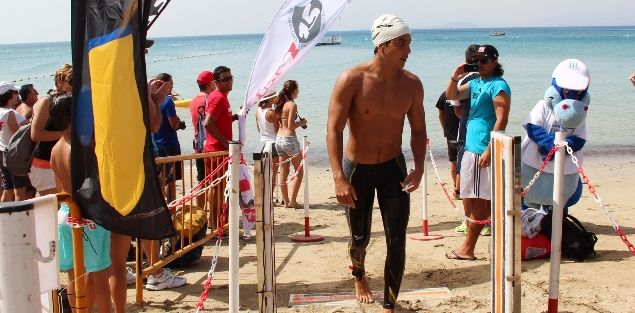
<point x="49" y="20"/>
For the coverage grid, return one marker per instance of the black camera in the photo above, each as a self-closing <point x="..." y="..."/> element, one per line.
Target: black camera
<point x="470" y="68"/>
<point x="181" y="125"/>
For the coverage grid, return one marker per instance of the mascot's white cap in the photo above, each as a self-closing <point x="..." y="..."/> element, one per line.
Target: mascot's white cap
<point x="387" y="27"/>
<point x="572" y="74"/>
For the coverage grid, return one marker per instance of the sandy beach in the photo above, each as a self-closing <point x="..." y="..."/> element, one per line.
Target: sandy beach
<point x="602" y="284"/>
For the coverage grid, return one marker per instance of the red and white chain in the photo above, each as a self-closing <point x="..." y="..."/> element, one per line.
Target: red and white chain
<point x="297" y="170"/>
<point x="544" y="164"/>
<point x="75" y="222"/>
<point x="447" y="194"/>
<point x="598" y="200"/>
<point x="219" y="240"/>
<point x="199" y="189"/>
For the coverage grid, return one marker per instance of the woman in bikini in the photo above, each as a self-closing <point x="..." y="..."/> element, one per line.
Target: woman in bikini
<point x="287" y="144"/>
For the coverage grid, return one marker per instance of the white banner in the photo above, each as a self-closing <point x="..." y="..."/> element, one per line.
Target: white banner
<point x="296" y="28"/>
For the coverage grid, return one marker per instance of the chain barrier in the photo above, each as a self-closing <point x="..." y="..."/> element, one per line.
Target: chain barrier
<point x="442" y="184"/>
<point x="219" y="240"/>
<point x="544" y="164"/>
<point x="75" y="222"/>
<point x="199" y="188"/>
<point x="598" y="200"/>
<point x="590" y="187"/>
<point x="297" y="170"/>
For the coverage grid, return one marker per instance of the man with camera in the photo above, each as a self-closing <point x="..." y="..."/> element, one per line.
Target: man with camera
<point x="166" y="139"/>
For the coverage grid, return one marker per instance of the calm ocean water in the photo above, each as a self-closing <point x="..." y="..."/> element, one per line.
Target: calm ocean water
<point x="528" y="56"/>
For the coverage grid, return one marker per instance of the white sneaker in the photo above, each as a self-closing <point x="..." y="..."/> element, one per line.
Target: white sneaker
<point x="165" y="281"/>
<point x="131" y="278"/>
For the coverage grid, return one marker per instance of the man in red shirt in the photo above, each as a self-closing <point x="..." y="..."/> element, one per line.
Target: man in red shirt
<point x="219" y="117"/>
<point x="206" y="85"/>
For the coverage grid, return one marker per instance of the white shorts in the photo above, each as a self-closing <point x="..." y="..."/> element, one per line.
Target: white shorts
<point x="475" y="181"/>
<point x="42" y="178"/>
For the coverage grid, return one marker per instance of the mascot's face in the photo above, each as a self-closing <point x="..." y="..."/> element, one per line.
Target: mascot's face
<point x="569" y="112"/>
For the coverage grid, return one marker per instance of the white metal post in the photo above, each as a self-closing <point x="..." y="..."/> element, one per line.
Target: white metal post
<point x="305" y="182"/>
<point x="307" y="237"/>
<point x="234" y="222"/>
<point x="556" y="225"/>
<point x="425" y="236"/>
<point x="19" y="285"/>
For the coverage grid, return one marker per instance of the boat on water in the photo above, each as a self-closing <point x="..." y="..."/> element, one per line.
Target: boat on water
<point x="330" y="40"/>
<point x="497" y="34"/>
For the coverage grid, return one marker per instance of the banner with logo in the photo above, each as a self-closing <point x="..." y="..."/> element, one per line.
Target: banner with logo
<point x="296" y="28"/>
<point x="113" y="171"/>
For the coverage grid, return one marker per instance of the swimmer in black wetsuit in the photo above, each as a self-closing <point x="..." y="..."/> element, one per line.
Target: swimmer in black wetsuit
<point x="374" y="98"/>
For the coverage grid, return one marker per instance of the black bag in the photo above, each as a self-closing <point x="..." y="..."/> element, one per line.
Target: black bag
<point x="577" y="242"/>
<point x="192" y="256"/>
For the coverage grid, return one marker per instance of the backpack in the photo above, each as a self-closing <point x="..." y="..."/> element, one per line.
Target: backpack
<point x="199" y="139"/>
<point x="577" y="242"/>
<point x="199" y="231"/>
<point x="20" y="152"/>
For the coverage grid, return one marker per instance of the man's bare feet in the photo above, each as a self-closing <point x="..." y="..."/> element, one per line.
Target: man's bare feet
<point x="362" y="291"/>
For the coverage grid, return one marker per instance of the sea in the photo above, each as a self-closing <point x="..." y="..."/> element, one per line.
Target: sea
<point x="528" y="56"/>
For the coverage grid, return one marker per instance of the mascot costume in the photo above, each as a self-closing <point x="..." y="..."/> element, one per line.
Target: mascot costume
<point x="564" y="108"/>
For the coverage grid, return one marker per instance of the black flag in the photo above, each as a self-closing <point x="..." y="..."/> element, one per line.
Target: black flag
<point x="113" y="171"/>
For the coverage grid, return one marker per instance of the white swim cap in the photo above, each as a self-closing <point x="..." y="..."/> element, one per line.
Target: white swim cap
<point x="387" y="27"/>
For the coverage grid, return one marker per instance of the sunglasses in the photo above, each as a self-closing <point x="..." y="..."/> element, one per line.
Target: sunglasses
<point x="226" y="79"/>
<point x="483" y="61"/>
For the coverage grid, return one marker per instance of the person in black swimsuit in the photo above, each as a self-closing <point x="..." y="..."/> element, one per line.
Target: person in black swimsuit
<point x="373" y="99"/>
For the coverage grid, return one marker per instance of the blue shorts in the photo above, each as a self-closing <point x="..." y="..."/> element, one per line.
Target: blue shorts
<point x="96" y="245"/>
<point x="287" y="146"/>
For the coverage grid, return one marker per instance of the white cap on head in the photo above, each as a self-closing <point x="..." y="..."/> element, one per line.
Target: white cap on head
<point x="269" y="95"/>
<point x="572" y="74"/>
<point x="388" y="27"/>
<point x="6" y="86"/>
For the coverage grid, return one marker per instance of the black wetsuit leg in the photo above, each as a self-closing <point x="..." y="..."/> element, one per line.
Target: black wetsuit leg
<point x="359" y="218"/>
<point x="394" y="205"/>
<point x="395" y="209"/>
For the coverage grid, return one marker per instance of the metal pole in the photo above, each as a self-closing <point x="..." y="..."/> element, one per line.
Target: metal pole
<point x="307" y="225"/>
<point x="424" y="236"/>
<point x="305" y="181"/>
<point x="234" y="222"/>
<point x="556" y="225"/>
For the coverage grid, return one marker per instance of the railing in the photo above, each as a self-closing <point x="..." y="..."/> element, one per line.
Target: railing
<point x="192" y="195"/>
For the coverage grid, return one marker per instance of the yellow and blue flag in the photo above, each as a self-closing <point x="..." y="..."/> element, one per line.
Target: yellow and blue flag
<point x="113" y="171"/>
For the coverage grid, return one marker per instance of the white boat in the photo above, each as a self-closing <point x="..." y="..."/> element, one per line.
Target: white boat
<point x="497" y="34"/>
<point x="330" y="40"/>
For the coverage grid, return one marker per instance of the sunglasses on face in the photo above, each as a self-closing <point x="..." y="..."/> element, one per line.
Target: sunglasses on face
<point x="483" y="61"/>
<point x="226" y="79"/>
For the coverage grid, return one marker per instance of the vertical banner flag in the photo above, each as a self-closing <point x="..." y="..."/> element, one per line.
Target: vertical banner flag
<point x="113" y="172"/>
<point x="296" y="28"/>
<point x="156" y="8"/>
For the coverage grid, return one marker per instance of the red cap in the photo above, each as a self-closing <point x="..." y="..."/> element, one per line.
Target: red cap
<point x="205" y="77"/>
